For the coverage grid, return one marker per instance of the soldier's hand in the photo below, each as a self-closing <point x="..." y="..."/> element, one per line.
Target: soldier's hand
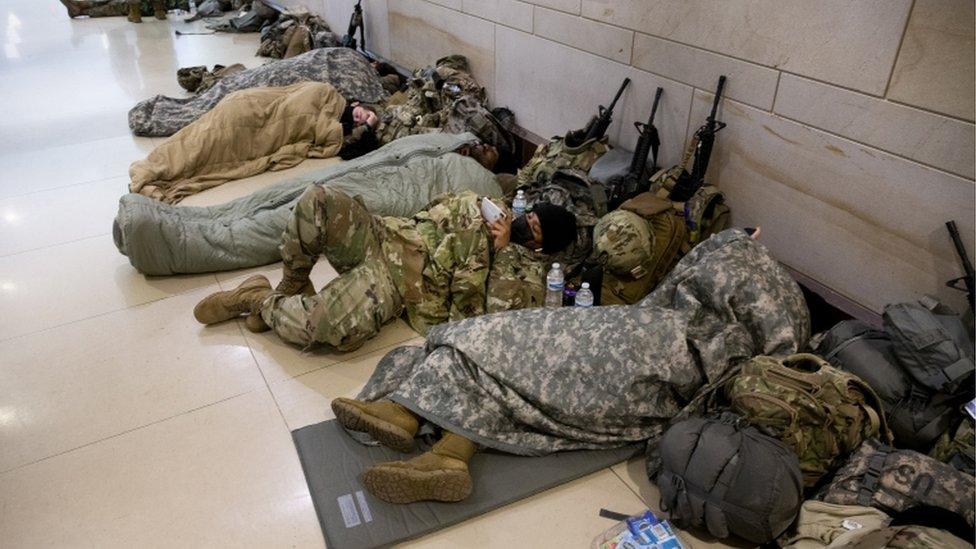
<point x="501" y="231"/>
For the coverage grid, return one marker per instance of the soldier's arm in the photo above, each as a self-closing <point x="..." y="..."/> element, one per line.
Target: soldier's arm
<point x="516" y="280"/>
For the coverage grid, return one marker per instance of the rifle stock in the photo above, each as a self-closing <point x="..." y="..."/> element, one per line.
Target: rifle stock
<point x="688" y="186"/>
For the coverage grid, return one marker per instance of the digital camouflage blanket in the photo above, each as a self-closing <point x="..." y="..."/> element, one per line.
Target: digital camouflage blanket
<point x="347" y="71"/>
<point x="537" y="381"/>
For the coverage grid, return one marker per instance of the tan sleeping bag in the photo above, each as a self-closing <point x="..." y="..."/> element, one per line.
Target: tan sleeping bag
<point x="248" y="132"/>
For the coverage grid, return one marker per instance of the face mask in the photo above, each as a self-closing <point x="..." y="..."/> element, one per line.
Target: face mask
<point x="521" y="232"/>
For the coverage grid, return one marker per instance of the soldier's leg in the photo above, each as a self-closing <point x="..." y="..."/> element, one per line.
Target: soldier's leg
<point x="347" y="312"/>
<point x="135" y="11"/>
<point x="324" y="221"/>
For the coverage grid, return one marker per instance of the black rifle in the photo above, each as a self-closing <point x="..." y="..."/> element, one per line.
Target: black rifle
<point x="635" y="181"/>
<point x="596" y="128"/>
<point x="688" y="184"/>
<point x="355" y="22"/>
<point x="969" y="280"/>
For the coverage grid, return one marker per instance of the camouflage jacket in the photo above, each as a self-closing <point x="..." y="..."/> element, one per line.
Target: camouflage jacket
<point x="442" y="261"/>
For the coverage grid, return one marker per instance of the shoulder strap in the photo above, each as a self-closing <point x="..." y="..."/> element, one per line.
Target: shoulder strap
<point x="869" y="481"/>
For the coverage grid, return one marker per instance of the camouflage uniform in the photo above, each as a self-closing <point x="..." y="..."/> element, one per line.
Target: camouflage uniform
<point x="437" y="265"/>
<point x="346" y="70"/>
<point x="116" y="8"/>
<point x="957" y="449"/>
<point x="542" y="380"/>
<point x="294" y="34"/>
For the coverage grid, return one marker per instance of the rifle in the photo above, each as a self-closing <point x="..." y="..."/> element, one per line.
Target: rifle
<point x="969" y="280"/>
<point x="597" y="126"/>
<point x="686" y="187"/>
<point x="355" y="22"/>
<point x="635" y="180"/>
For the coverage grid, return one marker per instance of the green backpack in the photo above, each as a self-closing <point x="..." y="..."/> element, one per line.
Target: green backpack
<point x="822" y="413"/>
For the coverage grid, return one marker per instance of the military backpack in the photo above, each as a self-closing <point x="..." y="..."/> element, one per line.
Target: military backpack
<point x="822" y="413"/>
<point x="894" y="481"/>
<point x="710" y="472"/>
<point x="918" y="364"/>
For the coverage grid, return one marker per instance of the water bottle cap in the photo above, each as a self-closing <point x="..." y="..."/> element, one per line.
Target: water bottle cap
<point x="585" y="286"/>
<point x="555" y="265"/>
<point x="520" y="192"/>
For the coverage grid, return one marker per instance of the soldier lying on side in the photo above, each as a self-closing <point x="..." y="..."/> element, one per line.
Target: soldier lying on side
<point x="444" y="263"/>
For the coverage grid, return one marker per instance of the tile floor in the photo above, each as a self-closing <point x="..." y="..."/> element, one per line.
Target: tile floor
<point x="122" y="421"/>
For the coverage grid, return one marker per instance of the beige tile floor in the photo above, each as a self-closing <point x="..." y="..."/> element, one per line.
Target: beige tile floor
<point x="123" y="423"/>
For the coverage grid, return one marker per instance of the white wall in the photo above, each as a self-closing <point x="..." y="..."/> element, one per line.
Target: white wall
<point x="850" y="137"/>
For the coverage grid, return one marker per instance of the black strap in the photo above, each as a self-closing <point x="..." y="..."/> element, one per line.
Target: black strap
<point x="869" y="482"/>
<point x="613" y="515"/>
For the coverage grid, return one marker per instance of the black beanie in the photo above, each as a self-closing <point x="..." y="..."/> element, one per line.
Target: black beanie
<point x="558" y="226"/>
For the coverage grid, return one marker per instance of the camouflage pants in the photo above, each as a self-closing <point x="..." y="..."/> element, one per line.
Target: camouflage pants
<point x="352" y="307"/>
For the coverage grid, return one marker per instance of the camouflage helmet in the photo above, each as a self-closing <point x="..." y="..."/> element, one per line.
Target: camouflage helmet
<point x="625" y="241"/>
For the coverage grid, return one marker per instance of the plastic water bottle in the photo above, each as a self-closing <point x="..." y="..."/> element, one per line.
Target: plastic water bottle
<point x="584" y="297"/>
<point x="554" y="286"/>
<point x="518" y="204"/>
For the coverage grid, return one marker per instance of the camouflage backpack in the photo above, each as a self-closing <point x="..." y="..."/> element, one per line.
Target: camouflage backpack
<point x="894" y="481"/>
<point x="822" y="413"/>
<point x="641" y="242"/>
<point x="557" y="155"/>
<point x="637" y="245"/>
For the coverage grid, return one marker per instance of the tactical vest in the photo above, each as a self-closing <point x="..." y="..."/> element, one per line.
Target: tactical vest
<point x="557" y="155"/>
<point x="822" y="413"/>
<point x="893" y="480"/>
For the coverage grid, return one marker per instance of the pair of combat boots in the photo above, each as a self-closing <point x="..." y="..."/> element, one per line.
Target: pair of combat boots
<point x="440" y="474"/>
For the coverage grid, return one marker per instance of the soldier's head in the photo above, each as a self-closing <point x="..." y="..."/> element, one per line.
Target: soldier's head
<point x="547" y="226"/>
<point x="357" y="114"/>
<point x="486" y="155"/>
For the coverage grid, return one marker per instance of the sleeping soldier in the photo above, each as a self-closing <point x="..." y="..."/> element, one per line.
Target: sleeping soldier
<point x="445" y="263"/>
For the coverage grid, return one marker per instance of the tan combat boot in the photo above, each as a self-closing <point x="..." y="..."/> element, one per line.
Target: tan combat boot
<point x="74" y="10"/>
<point x="159" y="9"/>
<point x="386" y="421"/>
<point x="438" y="475"/>
<point x="294" y="282"/>
<point x="245" y="298"/>
<point x="135" y="15"/>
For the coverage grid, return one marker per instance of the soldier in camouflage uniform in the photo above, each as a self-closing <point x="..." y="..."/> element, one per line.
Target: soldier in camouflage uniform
<point x="447" y="98"/>
<point x="345" y="69"/>
<point x="135" y="9"/>
<point x="543" y="380"/>
<point x="440" y="265"/>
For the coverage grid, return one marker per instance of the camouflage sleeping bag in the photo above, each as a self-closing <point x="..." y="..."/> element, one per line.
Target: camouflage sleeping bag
<point x="347" y="71"/>
<point x="399" y="179"/>
<point x="536" y="381"/>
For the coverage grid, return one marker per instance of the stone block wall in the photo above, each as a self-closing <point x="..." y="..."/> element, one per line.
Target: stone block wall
<point x="850" y="132"/>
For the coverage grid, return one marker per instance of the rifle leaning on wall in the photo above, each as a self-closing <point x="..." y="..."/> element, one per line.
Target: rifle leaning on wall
<point x="355" y="22"/>
<point x="969" y="279"/>
<point x="596" y="128"/>
<point x="635" y="181"/>
<point x="688" y="184"/>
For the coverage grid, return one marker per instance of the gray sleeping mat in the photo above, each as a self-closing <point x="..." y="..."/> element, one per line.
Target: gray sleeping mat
<point x="351" y="517"/>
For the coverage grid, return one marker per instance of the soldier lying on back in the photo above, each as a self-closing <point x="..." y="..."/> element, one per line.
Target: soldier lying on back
<point x="445" y="263"/>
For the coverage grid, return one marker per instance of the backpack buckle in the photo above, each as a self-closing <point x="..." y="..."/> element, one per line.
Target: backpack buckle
<point x="869" y="482"/>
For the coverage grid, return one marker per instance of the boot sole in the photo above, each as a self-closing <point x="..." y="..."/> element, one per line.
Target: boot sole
<point x="400" y="485"/>
<point x="386" y="433"/>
